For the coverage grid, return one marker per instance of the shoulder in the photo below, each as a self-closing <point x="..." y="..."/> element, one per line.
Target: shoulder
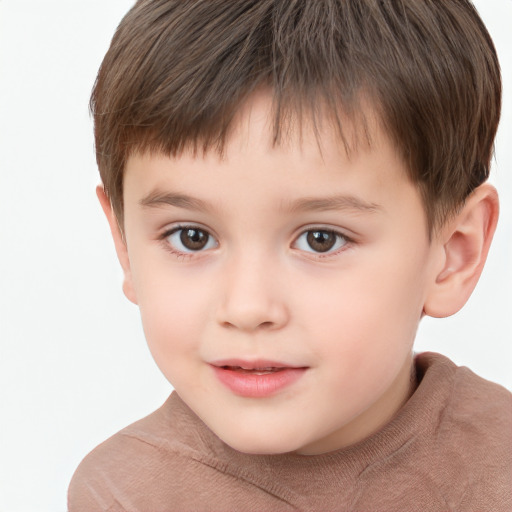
<point x="472" y="437"/>
<point x="143" y="465"/>
<point x="465" y="395"/>
<point x="475" y="406"/>
<point x="169" y="460"/>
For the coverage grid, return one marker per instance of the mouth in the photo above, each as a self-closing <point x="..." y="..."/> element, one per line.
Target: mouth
<point x="257" y="379"/>
<point x="254" y="371"/>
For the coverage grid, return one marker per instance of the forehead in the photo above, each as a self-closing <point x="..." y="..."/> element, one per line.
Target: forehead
<point x="308" y="124"/>
<point x="311" y="167"/>
<point x="312" y="128"/>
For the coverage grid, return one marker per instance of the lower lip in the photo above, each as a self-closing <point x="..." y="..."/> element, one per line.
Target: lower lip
<point x="258" y="386"/>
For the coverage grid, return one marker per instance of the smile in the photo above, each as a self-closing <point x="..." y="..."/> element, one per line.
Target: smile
<point x="258" y="379"/>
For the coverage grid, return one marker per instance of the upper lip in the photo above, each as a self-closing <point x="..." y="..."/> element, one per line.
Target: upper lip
<point x="257" y="364"/>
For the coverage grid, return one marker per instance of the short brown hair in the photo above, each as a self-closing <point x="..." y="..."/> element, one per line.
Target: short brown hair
<point x="177" y="71"/>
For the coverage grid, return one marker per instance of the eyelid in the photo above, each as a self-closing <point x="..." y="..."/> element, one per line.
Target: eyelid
<point x="177" y="226"/>
<point x="349" y="240"/>
<point x="163" y="238"/>
<point x="345" y="233"/>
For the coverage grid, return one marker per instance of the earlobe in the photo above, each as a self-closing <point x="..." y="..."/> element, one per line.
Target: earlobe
<point x="119" y="242"/>
<point x="463" y="245"/>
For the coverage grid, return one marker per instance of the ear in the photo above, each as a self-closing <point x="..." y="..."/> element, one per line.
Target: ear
<point x="463" y="244"/>
<point x="119" y="242"/>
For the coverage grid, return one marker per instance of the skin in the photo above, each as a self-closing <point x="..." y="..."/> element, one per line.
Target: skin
<point x="257" y="290"/>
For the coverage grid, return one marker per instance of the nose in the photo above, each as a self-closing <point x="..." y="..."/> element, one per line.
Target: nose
<point x="253" y="297"/>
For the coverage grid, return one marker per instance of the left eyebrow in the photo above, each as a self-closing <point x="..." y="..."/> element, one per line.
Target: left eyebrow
<point x="158" y="199"/>
<point x="349" y="203"/>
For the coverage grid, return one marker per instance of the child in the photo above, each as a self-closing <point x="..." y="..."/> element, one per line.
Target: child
<point x="291" y="186"/>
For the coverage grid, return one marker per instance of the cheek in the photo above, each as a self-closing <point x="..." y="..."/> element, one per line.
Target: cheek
<point x="173" y="313"/>
<point x="367" y="313"/>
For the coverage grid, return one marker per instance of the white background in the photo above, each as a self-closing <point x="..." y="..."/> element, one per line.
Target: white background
<point x="74" y="367"/>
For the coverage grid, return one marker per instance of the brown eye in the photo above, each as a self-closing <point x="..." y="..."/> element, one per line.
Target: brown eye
<point x="321" y="241"/>
<point x="194" y="239"/>
<point x="190" y="239"/>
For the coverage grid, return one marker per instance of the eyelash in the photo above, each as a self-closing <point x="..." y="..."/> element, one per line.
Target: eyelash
<point x="347" y="241"/>
<point x="339" y="237"/>
<point x="176" y="252"/>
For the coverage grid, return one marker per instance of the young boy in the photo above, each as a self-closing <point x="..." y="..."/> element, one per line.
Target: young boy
<point x="291" y="186"/>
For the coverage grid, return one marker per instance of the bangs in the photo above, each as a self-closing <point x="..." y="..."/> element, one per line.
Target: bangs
<point x="178" y="72"/>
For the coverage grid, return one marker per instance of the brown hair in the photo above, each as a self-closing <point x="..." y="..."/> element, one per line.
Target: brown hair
<point x="177" y="71"/>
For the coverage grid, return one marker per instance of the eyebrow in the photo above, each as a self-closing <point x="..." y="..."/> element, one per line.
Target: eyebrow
<point x="307" y="204"/>
<point x="343" y="202"/>
<point x="158" y="199"/>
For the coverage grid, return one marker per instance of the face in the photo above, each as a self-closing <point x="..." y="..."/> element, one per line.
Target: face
<point x="280" y="288"/>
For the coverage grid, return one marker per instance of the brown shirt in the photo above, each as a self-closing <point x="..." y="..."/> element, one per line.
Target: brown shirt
<point x="448" y="449"/>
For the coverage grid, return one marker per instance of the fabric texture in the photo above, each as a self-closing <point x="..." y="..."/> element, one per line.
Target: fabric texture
<point x="448" y="449"/>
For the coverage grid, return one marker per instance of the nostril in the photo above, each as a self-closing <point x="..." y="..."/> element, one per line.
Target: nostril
<point x="262" y="325"/>
<point x="252" y="315"/>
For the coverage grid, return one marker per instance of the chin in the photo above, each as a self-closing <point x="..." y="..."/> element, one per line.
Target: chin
<point x="259" y="448"/>
<point x="259" y="445"/>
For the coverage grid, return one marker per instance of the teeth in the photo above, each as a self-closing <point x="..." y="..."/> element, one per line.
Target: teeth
<point x="257" y="371"/>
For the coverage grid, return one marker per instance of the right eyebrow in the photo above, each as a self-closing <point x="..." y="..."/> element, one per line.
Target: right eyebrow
<point x="158" y="199"/>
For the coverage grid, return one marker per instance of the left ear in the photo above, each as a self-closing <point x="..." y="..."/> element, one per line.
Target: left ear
<point x="463" y="246"/>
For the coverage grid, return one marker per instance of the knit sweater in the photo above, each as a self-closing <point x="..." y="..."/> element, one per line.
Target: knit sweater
<point x="448" y="449"/>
